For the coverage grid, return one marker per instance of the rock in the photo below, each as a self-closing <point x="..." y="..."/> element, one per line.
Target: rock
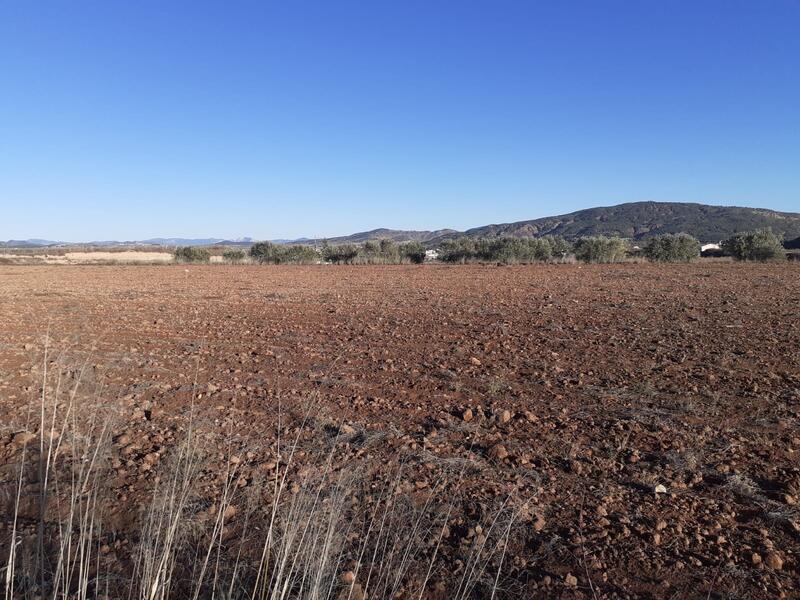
<point x="467" y="415"/>
<point x="774" y="561"/>
<point x="348" y="577"/>
<point x="505" y="416"/>
<point x="660" y="489"/>
<point x="661" y="525"/>
<point x="27" y="346"/>
<point x="755" y="559"/>
<point x="498" y="451"/>
<point x="346" y="429"/>
<point x="539" y="523"/>
<point x="571" y="580"/>
<point x="532" y="418"/>
<point x="475" y="361"/>
<point x="355" y="592"/>
<point x="23" y="437"/>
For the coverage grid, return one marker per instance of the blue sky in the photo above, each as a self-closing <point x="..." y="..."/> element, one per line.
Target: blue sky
<point x="129" y="120"/>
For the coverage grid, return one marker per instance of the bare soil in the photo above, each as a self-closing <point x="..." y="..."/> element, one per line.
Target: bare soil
<point x="573" y="393"/>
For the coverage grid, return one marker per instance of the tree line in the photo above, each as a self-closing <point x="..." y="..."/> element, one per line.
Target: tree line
<point x="759" y="245"/>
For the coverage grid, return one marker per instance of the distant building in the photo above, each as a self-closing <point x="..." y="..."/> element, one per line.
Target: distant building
<point x="706" y="247"/>
<point x="431" y="254"/>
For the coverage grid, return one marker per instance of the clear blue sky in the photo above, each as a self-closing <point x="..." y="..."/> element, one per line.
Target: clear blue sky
<point x="135" y="119"/>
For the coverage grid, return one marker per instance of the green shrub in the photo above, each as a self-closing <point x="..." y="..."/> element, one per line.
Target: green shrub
<point x="298" y="254"/>
<point x="507" y="250"/>
<point x="340" y="254"/>
<point x="559" y="247"/>
<point x="761" y="245"/>
<point x="601" y="249"/>
<point x="413" y="252"/>
<point x="378" y="252"/>
<point x="459" y="250"/>
<point x="276" y="254"/>
<point x="264" y="252"/>
<point x="192" y="254"/>
<point x="233" y="255"/>
<point x="679" y="247"/>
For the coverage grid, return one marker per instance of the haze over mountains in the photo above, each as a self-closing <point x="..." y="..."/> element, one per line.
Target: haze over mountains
<point x="635" y="220"/>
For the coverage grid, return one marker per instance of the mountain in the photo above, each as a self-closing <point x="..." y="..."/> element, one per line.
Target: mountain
<point x="392" y="234"/>
<point x="181" y="241"/>
<point x="32" y="243"/>
<point x="638" y="220"/>
<point x="635" y="220"/>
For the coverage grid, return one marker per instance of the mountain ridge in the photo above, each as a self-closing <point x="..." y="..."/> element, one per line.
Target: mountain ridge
<point x="634" y="220"/>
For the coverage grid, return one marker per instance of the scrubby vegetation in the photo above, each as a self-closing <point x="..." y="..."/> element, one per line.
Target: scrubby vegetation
<point x="508" y="250"/>
<point x="276" y="254"/>
<point x="759" y="245"/>
<point x="601" y="249"/>
<point x="234" y="255"/>
<point x="259" y="537"/>
<point x="342" y="254"/>
<point x="192" y="254"/>
<point x="678" y="247"/>
<point x="388" y="252"/>
<point x="373" y="252"/>
<point x="413" y="252"/>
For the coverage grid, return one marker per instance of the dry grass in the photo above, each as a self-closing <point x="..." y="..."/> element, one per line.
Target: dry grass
<point x="335" y="534"/>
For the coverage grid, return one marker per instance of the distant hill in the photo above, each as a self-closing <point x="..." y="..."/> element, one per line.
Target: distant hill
<point x="391" y="234"/>
<point x="638" y="220"/>
<point x="635" y="220"/>
<point x="32" y="243"/>
<point x="195" y="241"/>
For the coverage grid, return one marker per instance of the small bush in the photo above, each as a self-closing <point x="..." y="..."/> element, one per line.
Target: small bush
<point x="601" y="249"/>
<point x="761" y="245"/>
<point x="670" y="247"/>
<point x="192" y="254"/>
<point x="233" y="256"/>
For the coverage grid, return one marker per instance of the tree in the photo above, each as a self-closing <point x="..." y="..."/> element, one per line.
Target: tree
<point x="601" y="249"/>
<point x="269" y="253"/>
<point x="459" y="250"/>
<point x="340" y="254"/>
<point x="678" y="247"/>
<point x="760" y="245"/>
<point x="233" y="255"/>
<point x="413" y="252"/>
<point x="264" y="252"/>
<point x="192" y="254"/>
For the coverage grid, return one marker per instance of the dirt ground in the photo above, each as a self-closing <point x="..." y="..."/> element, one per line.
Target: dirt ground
<point x="641" y="419"/>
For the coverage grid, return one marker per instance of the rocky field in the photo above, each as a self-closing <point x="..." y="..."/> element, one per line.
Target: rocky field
<point x="621" y="431"/>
